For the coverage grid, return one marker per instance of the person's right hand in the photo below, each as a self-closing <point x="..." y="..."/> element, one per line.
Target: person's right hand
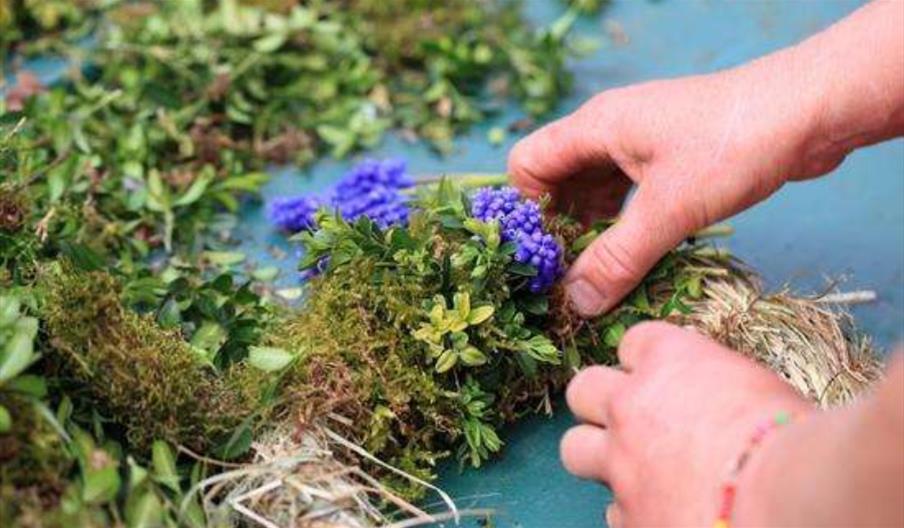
<point x="699" y="149"/>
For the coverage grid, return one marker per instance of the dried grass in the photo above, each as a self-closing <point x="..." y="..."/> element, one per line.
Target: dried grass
<point x="810" y="342"/>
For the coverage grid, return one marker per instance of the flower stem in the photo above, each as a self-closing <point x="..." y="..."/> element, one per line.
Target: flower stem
<point x="467" y="179"/>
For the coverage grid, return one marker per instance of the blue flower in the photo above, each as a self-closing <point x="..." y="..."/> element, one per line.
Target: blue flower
<point x="372" y="174"/>
<point x="295" y="213"/>
<point x="521" y="221"/>
<point x="371" y="188"/>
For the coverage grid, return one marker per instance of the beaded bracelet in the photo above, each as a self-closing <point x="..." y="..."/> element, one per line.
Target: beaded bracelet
<point x="729" y="486"/>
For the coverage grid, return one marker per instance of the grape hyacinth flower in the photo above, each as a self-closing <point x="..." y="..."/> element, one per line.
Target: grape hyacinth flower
<point x="371" y="188"/>
<point x="521" y="221"/>
<point x="385" y="207"/>
<point x="373" y="174"/>
<point x="294" y="213"/>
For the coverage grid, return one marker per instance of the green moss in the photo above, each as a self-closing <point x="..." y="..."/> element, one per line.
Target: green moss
<point x="147" y="379"/>
<point x="34" y="463"/>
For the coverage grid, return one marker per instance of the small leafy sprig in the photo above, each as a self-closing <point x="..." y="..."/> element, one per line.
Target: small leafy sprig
<point x="446" y="331"/>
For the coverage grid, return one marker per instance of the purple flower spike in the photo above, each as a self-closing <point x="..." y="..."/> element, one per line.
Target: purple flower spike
<point x="371" y="188"/>
<point x="521" y="221"/>
<point x="295" y="213"/>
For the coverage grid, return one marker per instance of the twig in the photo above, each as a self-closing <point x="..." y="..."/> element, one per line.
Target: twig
<point x="852" y="297"/>
<point x="349" y="445"/>
<point x="202" y="458"/>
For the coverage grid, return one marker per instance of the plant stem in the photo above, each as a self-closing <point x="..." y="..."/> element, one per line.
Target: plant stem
<point x="467" y="179"/>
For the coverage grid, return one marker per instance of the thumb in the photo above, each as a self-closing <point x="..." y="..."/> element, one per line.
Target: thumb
<point x="619" y="258"/>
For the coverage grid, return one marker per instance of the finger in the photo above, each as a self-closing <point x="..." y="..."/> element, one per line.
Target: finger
<point x="558" y="151"/>
<point x="589" y="392"/>
<point x="585" y="452"/>
<point x="619" y="258"/>
<point x="643" y="341"/>
<point x="613" y="516"/>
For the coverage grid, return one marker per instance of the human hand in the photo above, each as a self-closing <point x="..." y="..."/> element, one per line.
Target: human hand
<point x="699" y="149"/>
<point x="662" y="431"/>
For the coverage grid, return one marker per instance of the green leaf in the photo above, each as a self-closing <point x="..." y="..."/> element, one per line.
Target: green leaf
<point x="694" y="287"/>
<point x="542" y="349"/>
<point x="16" y="356"/>
<point x="224" y="258"/>
<point x="28" y="384"/>
<point x="480" y="314"/>
<point x="6" y="421"/>
<point x="472" y="357"/>
<point x="269" y="359"/>
<point x="164" y="465"/>
<point x="158" y="196"/>
<point x="270" y="43"/>
<point x="490" y="439"/>
<point x="238" y="444"/>
<point x="209" y="337"/>
<point x="102" y="484"/>
<point x="342" y="140"/>
<point x="446" y="361"/>
<point x="9" y="310"/>
<point x="137" y="473"/>
<point x="581" y="243"/>
<point x="265" y="274"/>
<point x="83" y="257"/>
<point x="614" y="334"/>
<point x="461" y="301"/>
<point x="525" y="270"/>
<point x="194" y="193"/>
<point x="144" y="510"/>
<point x="536" y="304"/>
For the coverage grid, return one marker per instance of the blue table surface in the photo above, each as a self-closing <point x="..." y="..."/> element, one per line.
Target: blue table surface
<point x="847" y="226"/>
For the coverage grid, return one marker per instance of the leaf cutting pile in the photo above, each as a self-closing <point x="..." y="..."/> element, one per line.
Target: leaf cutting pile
<point x="148" y="378"/>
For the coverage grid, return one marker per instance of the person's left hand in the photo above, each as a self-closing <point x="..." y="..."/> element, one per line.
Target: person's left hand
<point x="661" y="430"/>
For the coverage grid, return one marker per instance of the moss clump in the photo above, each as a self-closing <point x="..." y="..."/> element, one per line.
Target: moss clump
<point x="145" y="378"/>
<point x="34" y="462"/>
<point x="359" y="361"/>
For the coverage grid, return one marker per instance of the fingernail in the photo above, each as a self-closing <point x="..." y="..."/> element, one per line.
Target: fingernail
<point x="586" y="298"/>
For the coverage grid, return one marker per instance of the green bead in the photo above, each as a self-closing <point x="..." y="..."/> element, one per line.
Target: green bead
<point x="782" y="418"/>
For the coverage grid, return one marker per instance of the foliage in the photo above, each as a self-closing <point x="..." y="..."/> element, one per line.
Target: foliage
<point x="140" y="376"/>
<point x="44" y="25"/>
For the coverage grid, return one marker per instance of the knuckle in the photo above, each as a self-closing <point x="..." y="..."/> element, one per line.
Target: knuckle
<point x="641" y="340"/>
<point x="581" y="385"/>
<point x="614" y="263"/>
<point x="573" y="391"/>
<point x="519" y="159"/>
<point x="622" y="409"/>
<point x="569" y="450"/>
<point x="646" y="333"/>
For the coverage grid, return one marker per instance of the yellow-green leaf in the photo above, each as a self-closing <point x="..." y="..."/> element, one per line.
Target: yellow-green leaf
<point x="446" y="361"/>
<point x="480" y="314"/>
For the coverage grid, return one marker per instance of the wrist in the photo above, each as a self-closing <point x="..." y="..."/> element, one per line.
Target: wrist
<point x="793" y="103"/>
<point x="849" y="81"/>
<point x="758" y="485"/>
